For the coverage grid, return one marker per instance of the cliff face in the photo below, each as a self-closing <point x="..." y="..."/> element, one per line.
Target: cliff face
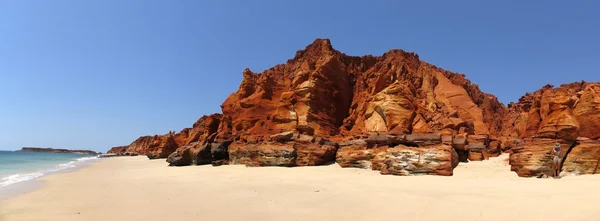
<point x="371" y="112"/>
<point x="326" y="93"/>
<point x="566" y="112"/>
<point x="568" y="115"/>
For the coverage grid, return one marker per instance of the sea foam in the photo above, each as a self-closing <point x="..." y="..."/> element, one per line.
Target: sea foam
<point x="20" y="177"/>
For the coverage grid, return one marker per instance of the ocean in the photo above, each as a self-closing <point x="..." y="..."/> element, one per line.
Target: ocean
<point x="16" y="166"/>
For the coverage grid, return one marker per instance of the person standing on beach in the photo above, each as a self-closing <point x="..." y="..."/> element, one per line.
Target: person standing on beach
<point x="556" y="160"/>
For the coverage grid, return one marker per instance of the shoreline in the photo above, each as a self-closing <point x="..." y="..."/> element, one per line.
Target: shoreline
<point x="26" y="186"/>
<point x="135" y="188"/>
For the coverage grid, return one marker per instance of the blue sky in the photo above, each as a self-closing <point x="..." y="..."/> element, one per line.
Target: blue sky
<point x="95" y="74"/>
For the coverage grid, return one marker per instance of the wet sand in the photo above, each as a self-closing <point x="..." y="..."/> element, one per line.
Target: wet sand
<point x="135" y="188"/>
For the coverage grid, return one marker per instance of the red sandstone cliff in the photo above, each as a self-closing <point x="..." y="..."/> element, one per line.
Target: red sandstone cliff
<point x="569" y="115"/>
<point x="371" y="112"/>
<point x="326" y="93"/>
<point x="566" y="112"/>
<point x="160" y="146"/>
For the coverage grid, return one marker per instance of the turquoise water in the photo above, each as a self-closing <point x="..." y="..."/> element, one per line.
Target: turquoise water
<point x="16" y="166"/>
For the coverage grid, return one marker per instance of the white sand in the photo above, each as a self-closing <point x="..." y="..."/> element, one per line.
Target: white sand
<point x="139" y="189"/>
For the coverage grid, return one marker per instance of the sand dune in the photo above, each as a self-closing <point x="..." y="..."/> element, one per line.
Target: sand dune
<point x="139" y="189"/>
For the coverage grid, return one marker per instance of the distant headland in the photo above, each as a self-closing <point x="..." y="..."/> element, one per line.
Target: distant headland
<point x="52" y="150"/>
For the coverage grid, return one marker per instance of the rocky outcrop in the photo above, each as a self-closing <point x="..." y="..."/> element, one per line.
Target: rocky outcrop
<point x="355" y="156"/>
<point x="161" y="146"/>
<point x="158" y="146"/>
<point x="584" y="158"/>
<point x="315" y="154"/>
<point x="534" y="158"/>
<point x="431" y="160"/>
<point x="118" y="150"/>
<point x="295" y="150"/>
<point x="326" y="93"/>
<point x="569" y="114"/>
<point x="566" y="112"/>
<point x="393" y="113"/>
<point x="266" y="154"/>
<point x="416" y="154"/>
<point x="183" y="156"/>
<point x="53" y="150"/>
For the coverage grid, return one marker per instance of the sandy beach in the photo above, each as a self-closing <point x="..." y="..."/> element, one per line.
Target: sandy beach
<point x="135" y="188"/>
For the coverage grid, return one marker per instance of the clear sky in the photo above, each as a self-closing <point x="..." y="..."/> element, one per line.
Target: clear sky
<point x="95" y="74"/>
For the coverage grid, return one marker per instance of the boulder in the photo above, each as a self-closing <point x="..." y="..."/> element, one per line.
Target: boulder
<point x="476" y="155"/>
<point x="495" y="148"/>
<point x="459" y="144"/>
<point x="314" y="154"/>
<point x="476" y="150"/>
<point x="242" y="153"/>
<point x="535" y="158"/>
<point x="354" y="156"/>
<point x="193" y="154"/>
<point x="181" y="157"/>
<point x="434" y="160"/>
<point x="201" y="154"/>
<point x="219" y="152"/>
<point x="263" y="154"/>
<point x="276" y="155"/>
<point x="584" y="158"/>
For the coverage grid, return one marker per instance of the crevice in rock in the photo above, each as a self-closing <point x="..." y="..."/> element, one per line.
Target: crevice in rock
<point x="596" y="169"/>
<point x="293" y="109"/>
<point x="564" y="158"/>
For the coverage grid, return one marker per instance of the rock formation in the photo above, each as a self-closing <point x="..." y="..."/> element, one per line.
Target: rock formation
<point x="326" y="93"/>
<point x="570" y="115"/>
<point x="413" y="154"/>
<point x="393" y="113"/>
<point x="161" y="146"/>
<point x="567" y="112"/>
